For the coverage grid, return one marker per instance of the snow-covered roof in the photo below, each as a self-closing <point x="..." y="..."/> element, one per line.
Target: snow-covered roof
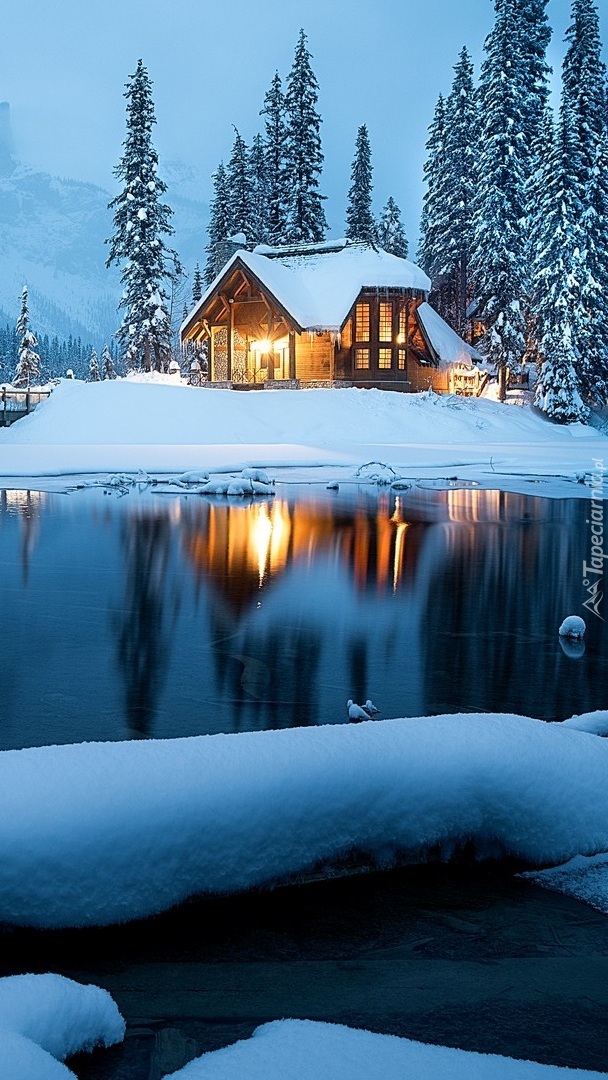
<point x="319" y="286"/>
<point x="449" y="347"/>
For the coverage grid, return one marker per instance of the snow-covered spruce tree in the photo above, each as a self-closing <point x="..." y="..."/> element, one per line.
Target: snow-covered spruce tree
<point x="461" y="132"/>
<point x="434" y="225"/>
<point x="197" y="285"/>
<point x="108" y="371"/>
<point x="141" y="221"/>
<point x="238" y="188"/>
<point x="556" y="272"/>
<point x="498" y="257"/>
<point x="584" y="102"/>
<point x="28" y="360"/>
<point x="360" y="224"/>
<point x="556" y="391"/>
<point x="219" y="224"/>
<point x="304" y="157"/>
<point x="94" y="374"/>
<point x="535" y="35"/>
<point x="391" y="233"/>
<point x="275" y="142"/>
<point x="258" y="188"/>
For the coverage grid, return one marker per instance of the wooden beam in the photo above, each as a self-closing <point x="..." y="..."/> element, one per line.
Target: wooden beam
<point x="230" y="330"/>
<point x="292" y="354"/>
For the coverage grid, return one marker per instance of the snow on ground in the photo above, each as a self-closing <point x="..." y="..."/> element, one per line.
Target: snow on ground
<point x="307" y="1050"/>
<point x="97" y="833"/>
<point x="126" y="425"/>
<point x="47" y="1018"/>
<point x="585" y="878"/>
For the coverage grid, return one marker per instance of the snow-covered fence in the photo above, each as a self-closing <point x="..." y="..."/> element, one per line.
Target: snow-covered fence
<point x="17" y="403"/>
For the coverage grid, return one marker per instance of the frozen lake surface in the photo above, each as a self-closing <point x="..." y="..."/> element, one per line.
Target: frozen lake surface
<point x="149" y="615"/>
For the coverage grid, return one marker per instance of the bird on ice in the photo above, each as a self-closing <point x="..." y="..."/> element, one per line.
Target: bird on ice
<point x="371" y="708"/>
<point x="356" y="712"/>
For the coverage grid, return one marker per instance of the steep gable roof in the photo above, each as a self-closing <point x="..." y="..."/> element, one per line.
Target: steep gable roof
<point x="318" y="285"/>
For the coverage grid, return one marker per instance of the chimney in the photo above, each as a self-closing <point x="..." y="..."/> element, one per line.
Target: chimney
<point x="230" y="246"/>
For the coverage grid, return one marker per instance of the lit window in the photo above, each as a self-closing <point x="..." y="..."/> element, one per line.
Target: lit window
<point x="402" y="359"/>
<point x="385" y="323"/>
<point x="384" y="358"/>
<point x="402" y="322"/>
<point x="361" y="358"/>
<point x="362" y="322"/>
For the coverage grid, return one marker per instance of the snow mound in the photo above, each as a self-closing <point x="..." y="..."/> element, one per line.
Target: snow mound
<point x="122" y="425"/>
<point x="98" y="833"/>
<point x="47" y="1018"/>
<point x="308" y="1050"/>
<point x="573" y="627"/>
<point x="584" y="878"/>
<point x="595" y="723"/>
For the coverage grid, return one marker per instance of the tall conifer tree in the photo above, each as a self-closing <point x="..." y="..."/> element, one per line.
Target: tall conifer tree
<point x="555" y="280"/>
<point x="391" y="233"/>
<point x="141" y="223"/>
<point x="462" y="124"/>
<point x="434" y="228"/>
<point x="219" y="224"/>
<point x="259" y="195"/>
<point x="276" y="167"/>
<point x="499" y="238"/>
<point x="28" y="360"/>
<point x="584" y="103"/>
<point x="304" y="156"/>
<point x="197" y="285"/>
<point x="238" y="186"/>
<point x="360" y="224"/>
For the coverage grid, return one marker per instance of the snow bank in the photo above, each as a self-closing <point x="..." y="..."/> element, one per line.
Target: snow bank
<point x="306" y="1050"/>
<point x="47" y="1018"/>
<point x="583" y="878"/>
<point x="126" y="425"/>
<point x="98" y="833"/>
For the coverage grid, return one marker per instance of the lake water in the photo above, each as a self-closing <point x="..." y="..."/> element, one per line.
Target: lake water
<point x="149" y="615"/>
<point x="143" y="614"/>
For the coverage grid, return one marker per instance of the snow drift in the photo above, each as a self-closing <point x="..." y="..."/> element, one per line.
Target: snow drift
<point x="126" y="425"/>
<point x="47" y="1018"/>
<point x="98" y="833"/>
<point x="306" y="1050"/>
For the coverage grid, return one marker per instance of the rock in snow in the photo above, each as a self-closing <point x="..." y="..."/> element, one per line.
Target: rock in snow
<point x="304" y="1050"/>
<point x="47" y="1018"/>
<point x="98" y="833"/>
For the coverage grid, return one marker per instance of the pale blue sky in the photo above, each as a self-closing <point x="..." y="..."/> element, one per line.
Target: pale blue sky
<point x="63" y="66"/>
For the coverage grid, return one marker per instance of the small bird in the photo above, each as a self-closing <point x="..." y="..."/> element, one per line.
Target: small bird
<point x="371" y="708"/>
<point x="355" y="712"/>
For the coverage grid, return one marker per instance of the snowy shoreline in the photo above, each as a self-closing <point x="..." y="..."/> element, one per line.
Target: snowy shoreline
<point x="302" y="436"/>
<point x="99" y="833"/>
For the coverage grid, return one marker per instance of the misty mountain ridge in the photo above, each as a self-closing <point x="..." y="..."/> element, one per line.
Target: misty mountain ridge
<point x="52" y="239"/>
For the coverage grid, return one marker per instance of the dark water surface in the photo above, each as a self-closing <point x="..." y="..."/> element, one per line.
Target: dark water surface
<point x="151" y="615"/>
<point x="154" y="615"/>
<point x="468" y="957"/>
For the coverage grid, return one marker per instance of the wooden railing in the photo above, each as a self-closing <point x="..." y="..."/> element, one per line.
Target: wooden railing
<point x="14" y="404"/>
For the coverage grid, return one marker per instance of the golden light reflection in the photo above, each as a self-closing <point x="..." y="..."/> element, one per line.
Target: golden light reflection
<point x="242" y="548"/>
<point x="261" y="533"/>
<point x="398" y="555"/>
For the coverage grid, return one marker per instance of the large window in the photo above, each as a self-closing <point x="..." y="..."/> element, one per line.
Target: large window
<point x="385" y="322"/>
<point x="362" y="323"/>
<point x="384" y="358"/>
<point x="361" y="358"/>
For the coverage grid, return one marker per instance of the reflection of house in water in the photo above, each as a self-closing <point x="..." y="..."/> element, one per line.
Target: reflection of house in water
<point x="294" y="587"/>
<point x="142" y="634"/>
<point x="242" y="549"/>
<point x="27" y="506"/>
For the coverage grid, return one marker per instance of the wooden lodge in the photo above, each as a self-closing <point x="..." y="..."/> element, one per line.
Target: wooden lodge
<point x="335" y="314"/>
